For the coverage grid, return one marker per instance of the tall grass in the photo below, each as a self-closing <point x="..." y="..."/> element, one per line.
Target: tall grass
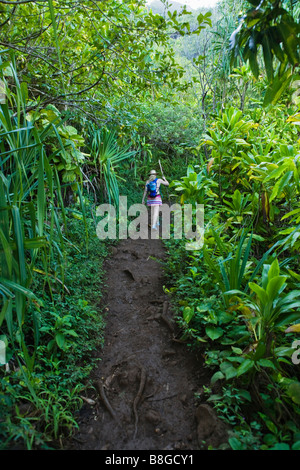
<point x="29" y="214"/>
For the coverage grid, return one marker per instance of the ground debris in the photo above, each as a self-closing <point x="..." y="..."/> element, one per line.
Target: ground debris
<point x="90" y="401"/>
<point x="148" y="396"/>
<point x="100" y="388"/>
<point x="137" y="399"/>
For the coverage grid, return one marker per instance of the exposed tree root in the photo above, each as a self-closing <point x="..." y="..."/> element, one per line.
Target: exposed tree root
<point x="165" y="318"/>
<point x="138" y="397"/>
<point x="103" y="397"/>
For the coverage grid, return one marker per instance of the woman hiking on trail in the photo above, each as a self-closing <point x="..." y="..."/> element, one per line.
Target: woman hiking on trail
<point x="154" y="197"/>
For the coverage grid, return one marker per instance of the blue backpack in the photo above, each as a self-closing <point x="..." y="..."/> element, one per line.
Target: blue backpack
<point x="152" y="188"/>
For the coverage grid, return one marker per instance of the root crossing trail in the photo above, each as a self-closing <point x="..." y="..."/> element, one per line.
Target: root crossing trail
<point x="146" y="381"/>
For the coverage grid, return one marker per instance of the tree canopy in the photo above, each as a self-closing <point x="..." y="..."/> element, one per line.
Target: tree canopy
<point x="93" y="57"/>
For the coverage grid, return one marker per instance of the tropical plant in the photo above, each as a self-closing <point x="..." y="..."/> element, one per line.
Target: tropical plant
<point x="239" y="206"/>
<point x="243" y="76"/>
<point x="268" y="309"/>
<point x="285" y="173"/>
<point x="267" y="25"/>
<point x="63" y="144"/>
<point x="226" y="137"/>
<point x="194" y="187"/>
<point x="31" y="215"/>
<point x="231" y="264"/>
<point x="107" y="155"/>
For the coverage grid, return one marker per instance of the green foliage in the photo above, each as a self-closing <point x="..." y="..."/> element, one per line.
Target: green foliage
<point x="93" y="68"/>
<point x="64" y="143"/>
<point x="230" y="269"/>
<point x="267" y="24"/>
<point x="171" y="128"/>
<point x="226" y="138"/>
<point x="239" y="206"/>
<point x="25" y="177"/>
<point x="194" y="187"/>
<point x="270" y="308"/>
<point x="229" y="130"/>
<point x="41" y="329"/>
<point x="39" y="408"/>
<point x="236" y="300"/>
<point x="107" y="155"/>
<point x="164" y="89"/>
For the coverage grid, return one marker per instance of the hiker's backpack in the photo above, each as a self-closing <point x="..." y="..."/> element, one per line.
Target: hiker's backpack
<point x="152" y="188"/>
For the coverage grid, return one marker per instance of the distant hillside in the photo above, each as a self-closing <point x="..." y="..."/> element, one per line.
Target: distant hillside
<point x="158" y="8"/>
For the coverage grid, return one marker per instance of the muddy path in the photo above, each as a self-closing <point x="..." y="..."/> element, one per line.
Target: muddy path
<point x="146" y="381"/>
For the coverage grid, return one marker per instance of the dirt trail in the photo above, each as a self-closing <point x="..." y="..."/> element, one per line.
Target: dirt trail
<point x="147" y="380"/>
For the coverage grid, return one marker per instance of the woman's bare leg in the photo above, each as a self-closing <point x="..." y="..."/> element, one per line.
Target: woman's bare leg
<point x="155" y="213"/>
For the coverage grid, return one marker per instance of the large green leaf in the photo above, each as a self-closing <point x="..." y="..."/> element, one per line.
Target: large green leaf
<point x="260" y="292"/>
<point x="277" y="87"/>
<point x="214" y="332"/>
<point x="245" y="367"/>
<point x="274" y="286"/>
<point x="13" y="286"/>
<point x="280" y="185"/>
<point x="268" y="57"/>
<point x="294" y="392"/>
<point x="188" y="313"/>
